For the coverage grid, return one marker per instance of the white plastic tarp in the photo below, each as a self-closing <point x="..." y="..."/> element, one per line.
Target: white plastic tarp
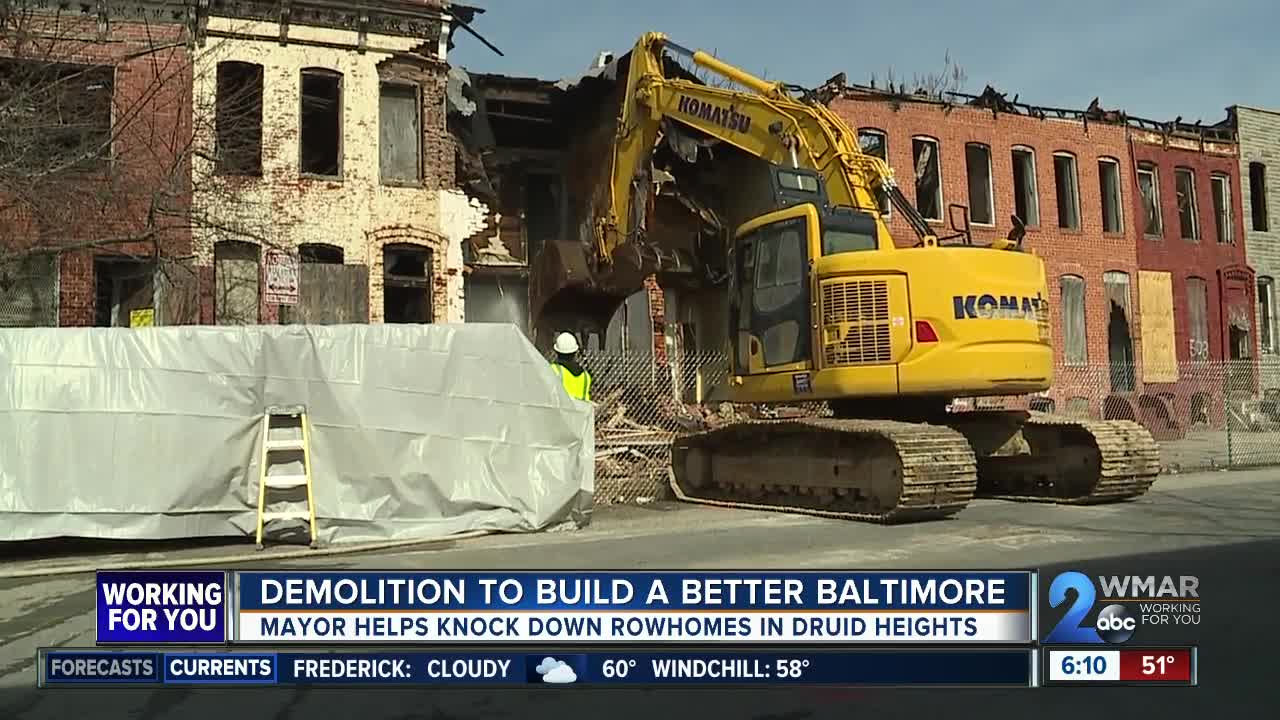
<point x="418" y="431"/>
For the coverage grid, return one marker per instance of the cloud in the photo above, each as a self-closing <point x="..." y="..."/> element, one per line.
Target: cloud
<point x="560" y="674"/>
<point x="547" y="665"/>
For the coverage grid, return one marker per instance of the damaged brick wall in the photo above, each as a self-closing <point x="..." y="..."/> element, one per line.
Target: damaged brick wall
<point x="1087" y="252"/>
<point x="1217" y="261"/>
<point x="353" y="209"/>
<point x="151" y="109"/>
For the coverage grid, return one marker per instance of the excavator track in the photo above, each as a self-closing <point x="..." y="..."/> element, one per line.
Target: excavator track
<point x="869" y="470"/>
<point x="1072" y="462"/>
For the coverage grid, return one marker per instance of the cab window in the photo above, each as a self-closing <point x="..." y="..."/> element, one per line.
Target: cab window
<point x="851" y="232"/>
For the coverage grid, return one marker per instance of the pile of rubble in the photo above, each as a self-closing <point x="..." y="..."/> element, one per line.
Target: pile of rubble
<point x="633" y="441"/>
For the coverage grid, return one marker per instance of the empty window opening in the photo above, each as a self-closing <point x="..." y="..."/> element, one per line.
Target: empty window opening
<point x="1149" y="186"/>
<point x="1222" y="217"/>
<point x="1258" y="196"/>
<point x="1267" y="314"/>
<point x="977" y="162"/>
<point x="321" y="136"/>
<point x="321" y="253"/>
<point x="406" y="279"/>
<point x="924" y="152"/>
<point x="1026" y="198"/>
<point x="1184" y="183"/>
<point x="63" y="113"/>
<point x="238" y="119"/>
<point x="1068" y="191"/>
<point x="399" y="133"/>
<point x="236" y="283"/>
<point x="876" y="144"/>
<point x="1109" y="184"/>
<point x="543" y="211"/>
<point x="124" y="292"/>
<point x="1119" y="332"/>
<point x="1074" y="346"/>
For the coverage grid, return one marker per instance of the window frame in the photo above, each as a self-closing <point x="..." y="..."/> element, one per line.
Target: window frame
<point x="220" y="166"/>
<point x="1261" y="217"/>
<point x="1197" y="233"/>
<point x="1075" y="190"/>
<point x="1266" y="314"/>
<point x="1153" y="170"/>
<point x="1035" y="184"/>
<point x="939" y="195"/>
<point x="1226" y="233"/>
<point x="1119" y="198"/>
<point x="341" y="130"/>
<point x="886" y="207"/>
<point x="1204" y="326"/>
<point x="991" y="189"/>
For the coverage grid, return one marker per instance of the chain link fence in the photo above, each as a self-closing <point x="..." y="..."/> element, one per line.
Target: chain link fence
<point x="1204" y="415"/>
<point x="29" y="292"/>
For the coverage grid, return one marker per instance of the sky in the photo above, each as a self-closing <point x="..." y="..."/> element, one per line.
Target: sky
<point x="1153" y="59"/>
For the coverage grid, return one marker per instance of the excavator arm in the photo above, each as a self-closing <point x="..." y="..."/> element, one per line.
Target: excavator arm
<point x="765" y="121"/>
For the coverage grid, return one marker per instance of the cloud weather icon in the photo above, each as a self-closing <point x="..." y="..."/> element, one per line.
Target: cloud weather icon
<point x="555" y="671"/>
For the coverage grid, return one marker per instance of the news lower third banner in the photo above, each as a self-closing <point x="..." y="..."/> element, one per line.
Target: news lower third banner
<point x="199" y="607"/>
<point x="117" y="667"/>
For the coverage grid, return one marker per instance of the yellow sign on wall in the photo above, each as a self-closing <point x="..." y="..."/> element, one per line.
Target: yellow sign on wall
<point x="1159" y="337"/>
<point x="146" y="317"/>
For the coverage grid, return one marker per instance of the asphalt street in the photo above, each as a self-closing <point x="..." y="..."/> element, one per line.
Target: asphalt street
<point x="1222" y="527"/>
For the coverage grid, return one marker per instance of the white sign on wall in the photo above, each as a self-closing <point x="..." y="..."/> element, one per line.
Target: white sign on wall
<point x="281" y="272"/>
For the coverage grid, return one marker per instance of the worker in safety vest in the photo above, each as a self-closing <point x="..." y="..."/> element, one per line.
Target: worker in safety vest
<point x="576" y="379"/>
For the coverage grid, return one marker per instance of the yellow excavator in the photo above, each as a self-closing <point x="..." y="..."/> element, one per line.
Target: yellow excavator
<point x="823" y="305"/>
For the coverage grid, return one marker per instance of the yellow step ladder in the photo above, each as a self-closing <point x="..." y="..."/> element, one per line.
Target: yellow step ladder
<point x="291" y="422"/>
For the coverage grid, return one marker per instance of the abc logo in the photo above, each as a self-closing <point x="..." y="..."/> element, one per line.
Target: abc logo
<point x="1115" y="624"/>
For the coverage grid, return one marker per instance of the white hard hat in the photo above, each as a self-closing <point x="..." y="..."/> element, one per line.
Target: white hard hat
<point x="566" y="344"/>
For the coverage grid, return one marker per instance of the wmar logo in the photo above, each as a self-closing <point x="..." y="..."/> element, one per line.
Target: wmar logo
<point x="1114" y="623"/>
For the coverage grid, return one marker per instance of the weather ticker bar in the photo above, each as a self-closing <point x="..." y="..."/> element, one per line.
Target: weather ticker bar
<point x="1003" y="667"/>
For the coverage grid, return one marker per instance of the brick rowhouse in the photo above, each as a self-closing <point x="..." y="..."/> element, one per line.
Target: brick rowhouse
<point x="1196" y="288"/>
<point x="353" y="166"/>
<point x="142" y="191"/>
<point x="1087" y="252"/>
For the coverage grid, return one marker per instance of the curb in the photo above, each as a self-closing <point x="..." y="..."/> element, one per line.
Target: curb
<point x="243" y="557"/>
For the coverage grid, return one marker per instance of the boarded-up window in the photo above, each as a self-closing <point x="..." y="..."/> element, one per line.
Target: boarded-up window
<point x="1198" y="317"/>
<point x="1159" y="336"/>
<point x="924" y="152"/>
<point x="1184" y="182"/>
<point x="1074" y="347"/>
<point x="399" y="133"/>
<point x="235" y="283"/>
<point x="876" y="143"/>
<point x="1222" y="217"/>
<point x="1149" y="186"/>
<point x="29" y="292"/>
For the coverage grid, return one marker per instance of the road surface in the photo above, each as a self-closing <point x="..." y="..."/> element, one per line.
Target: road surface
<point x="1223" y="527"/>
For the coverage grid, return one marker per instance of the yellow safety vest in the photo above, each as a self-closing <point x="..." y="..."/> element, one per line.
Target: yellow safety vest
<point x="579" y="386"/>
